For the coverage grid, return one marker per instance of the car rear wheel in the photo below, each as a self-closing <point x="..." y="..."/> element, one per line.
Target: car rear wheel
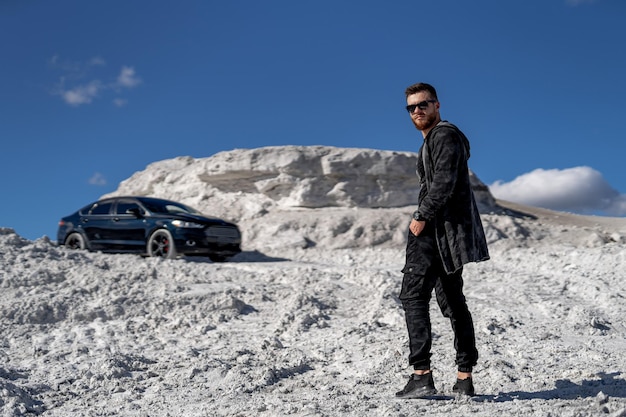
<point x="161" y="244"/>
<point x="75" y="241"/>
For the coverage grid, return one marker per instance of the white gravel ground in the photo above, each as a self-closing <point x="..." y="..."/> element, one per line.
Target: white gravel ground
<point x="306" y="321"/>
<point x="311" y="332"/>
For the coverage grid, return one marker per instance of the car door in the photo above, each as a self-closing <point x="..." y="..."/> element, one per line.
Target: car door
<point x="95" y="224"/>
<point x="128" y="228"/>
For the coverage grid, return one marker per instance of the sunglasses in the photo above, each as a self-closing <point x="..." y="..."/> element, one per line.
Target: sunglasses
<point x="422" y="105"/>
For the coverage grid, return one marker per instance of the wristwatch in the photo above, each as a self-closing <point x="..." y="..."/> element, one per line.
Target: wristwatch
<point x="418" y="217"/>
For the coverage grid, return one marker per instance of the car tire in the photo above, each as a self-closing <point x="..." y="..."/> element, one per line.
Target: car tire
<point x="161" y="244"/>
<point x="75" y="241"/>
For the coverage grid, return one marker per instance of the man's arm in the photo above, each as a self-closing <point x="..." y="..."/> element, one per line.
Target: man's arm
<point x="446" y="157"/>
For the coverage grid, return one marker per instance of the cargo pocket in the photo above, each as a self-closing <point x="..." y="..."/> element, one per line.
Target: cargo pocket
<point x="413" y="280"/>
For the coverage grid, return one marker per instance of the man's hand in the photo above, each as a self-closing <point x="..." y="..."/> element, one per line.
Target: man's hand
<point x="417" y="226"/>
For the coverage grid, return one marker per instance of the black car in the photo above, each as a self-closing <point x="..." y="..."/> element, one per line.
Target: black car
<point x="149" y="226"/>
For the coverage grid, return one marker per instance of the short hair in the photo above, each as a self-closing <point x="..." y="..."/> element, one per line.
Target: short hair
<point x="419" y="87"/>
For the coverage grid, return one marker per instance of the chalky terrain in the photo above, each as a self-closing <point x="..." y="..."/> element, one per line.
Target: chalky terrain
<point x="306" y="320"/>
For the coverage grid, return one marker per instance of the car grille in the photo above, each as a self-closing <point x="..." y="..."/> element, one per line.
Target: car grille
<point x="223" y="234"/>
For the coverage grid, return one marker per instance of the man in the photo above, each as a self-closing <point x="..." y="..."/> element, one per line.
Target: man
<point x="444" y="234"/>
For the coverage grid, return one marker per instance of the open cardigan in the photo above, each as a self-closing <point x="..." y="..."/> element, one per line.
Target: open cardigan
<point x="446" y="197"/>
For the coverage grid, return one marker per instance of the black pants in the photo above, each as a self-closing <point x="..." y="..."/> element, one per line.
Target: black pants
<point x="424" y="272"/>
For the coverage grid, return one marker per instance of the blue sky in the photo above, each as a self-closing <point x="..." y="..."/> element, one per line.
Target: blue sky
<point x="91" y="92"/>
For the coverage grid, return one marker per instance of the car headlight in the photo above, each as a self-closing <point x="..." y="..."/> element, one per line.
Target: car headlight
<point x="187" y="225"/>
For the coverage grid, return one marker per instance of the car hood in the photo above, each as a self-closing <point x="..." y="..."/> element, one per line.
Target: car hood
<point x="209" y="221"/>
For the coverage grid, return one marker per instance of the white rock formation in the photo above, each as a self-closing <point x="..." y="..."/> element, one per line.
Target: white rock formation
<point x="257" y="187"/>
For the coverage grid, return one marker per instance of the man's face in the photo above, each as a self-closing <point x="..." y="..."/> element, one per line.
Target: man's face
<point x="427" y="117"/>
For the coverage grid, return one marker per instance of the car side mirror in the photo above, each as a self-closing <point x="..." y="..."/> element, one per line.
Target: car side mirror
<point x="136" y="211"/>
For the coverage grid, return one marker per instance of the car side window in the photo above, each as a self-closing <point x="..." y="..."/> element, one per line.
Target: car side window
<point x="124" y="206"/>
<point x="101" y="208"/>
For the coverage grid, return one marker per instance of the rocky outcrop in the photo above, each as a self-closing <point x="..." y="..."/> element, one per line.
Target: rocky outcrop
<point x="274" y="188"/>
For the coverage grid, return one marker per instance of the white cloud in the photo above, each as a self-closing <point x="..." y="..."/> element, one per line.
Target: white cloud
<point x="97" y="179"/>
<point x="76" y="91"/>
<point x="82" y="94"/>
<point x="127" y="78"/>
<point x="579" y="190"/>
<point x="120" y="102"/>
<point x="97" y="61"/>
<point x="58" y="63"/>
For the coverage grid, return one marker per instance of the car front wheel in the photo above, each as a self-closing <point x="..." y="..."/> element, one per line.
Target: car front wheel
<point x="75" y="241"/>
<point x="161" y="244"/>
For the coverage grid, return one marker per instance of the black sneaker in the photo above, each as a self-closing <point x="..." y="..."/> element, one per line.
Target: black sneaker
<point x="464" y="387"/>
<point x="419" y="386"/>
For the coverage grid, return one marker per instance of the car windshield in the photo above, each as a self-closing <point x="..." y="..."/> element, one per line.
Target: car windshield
<point x="168" y="207"/>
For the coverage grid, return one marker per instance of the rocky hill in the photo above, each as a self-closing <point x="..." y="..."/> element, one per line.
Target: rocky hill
<point x="306" y="321"/>
<point x="366" y="195"/>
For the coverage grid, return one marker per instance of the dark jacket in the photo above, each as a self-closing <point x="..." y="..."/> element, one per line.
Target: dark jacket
<point x="446" y="197"/>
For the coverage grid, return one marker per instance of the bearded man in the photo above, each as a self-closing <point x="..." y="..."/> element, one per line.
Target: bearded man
<point x="444" y="234"/>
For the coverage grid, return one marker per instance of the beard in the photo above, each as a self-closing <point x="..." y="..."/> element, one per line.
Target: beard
<point x="423" y="124"/>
